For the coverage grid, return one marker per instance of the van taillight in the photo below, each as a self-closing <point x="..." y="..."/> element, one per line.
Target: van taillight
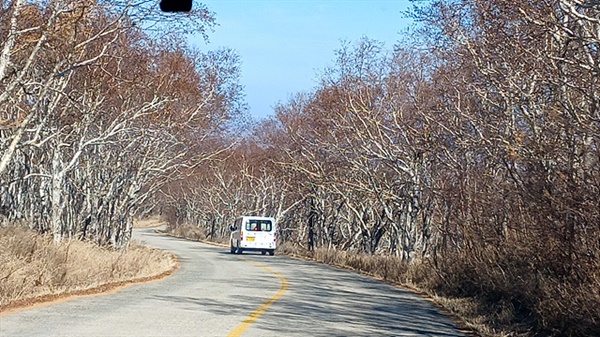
<point x="241" y="235"/>
<point x="274" y="237"/>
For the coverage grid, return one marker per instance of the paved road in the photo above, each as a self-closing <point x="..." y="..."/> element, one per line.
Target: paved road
<point x="214" y="292"/>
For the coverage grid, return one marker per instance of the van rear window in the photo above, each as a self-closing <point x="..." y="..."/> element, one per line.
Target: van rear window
<point x="259" y="225"/>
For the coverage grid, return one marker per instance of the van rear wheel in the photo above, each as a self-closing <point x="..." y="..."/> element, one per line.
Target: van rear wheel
<point x="272" y="252"/>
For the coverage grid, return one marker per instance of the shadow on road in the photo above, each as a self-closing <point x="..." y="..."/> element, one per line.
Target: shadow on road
<point x="320" y="301"/>
<point x="326" y="301"/>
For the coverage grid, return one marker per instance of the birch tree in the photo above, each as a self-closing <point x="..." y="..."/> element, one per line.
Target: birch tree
<point x="83" y="85"/>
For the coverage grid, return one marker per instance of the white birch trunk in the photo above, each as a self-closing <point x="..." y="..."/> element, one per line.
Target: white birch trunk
<point x="58" y="176"/>
<point x="10" y="39"/>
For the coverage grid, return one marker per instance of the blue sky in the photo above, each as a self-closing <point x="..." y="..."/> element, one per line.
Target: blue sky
<point x="284" y="44"/>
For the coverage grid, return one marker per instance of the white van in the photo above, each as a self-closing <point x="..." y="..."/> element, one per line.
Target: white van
<point x="253" y="233"/>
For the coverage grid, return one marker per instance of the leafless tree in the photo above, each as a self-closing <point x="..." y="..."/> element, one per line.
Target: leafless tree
<point x="97" y="117"/>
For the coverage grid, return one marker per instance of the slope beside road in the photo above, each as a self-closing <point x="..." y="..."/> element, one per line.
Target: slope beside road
<point x="219" y="294"/>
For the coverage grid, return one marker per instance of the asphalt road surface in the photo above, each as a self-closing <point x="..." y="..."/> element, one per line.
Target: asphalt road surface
<point x="219" y="294"/>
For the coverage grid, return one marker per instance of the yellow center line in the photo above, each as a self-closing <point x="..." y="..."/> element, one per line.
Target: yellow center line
<point x="240" y="329"/>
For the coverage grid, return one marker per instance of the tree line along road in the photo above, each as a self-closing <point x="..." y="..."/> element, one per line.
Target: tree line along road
<point x="216" y="293"/>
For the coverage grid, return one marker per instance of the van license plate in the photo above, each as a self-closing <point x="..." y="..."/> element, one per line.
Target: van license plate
<point x="250" y="238"/>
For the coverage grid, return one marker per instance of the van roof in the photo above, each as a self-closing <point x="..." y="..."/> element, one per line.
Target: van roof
<point x="256" y="217"/>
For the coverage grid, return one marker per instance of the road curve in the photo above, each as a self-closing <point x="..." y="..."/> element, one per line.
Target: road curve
<point x="219" y="294"/>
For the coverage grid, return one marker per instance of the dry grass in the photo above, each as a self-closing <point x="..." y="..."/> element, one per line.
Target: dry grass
<point x="388" y="268"/>
<point x="189" y="232"/>
<point x="515" y="296"/>
<point x="33" y="267"/>
<point x="149" y="222"/>
<point x="195" y="233"/>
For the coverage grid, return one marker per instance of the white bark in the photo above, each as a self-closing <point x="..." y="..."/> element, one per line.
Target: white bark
<point x="10" y="39"/>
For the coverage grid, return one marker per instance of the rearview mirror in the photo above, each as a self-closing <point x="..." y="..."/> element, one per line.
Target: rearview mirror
<point x="175" y="5"/>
